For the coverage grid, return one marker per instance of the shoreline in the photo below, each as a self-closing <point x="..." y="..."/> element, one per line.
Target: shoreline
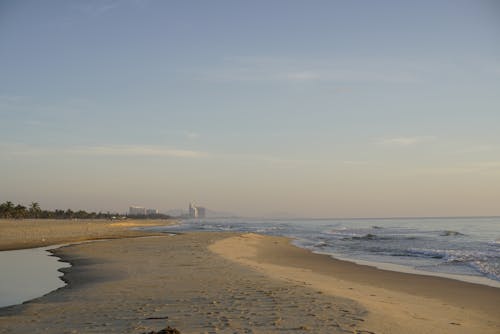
<point x="254" y="282"/>
<point x="390" y="297"/>
<point x="132" y="228"/>
<point x="480" y="280"/>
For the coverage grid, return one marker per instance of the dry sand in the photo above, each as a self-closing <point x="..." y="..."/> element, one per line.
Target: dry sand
<point x="233" y="283"/>
<point x="29" y="233"/>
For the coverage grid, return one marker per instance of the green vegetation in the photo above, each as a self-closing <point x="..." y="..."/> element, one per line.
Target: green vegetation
<point x="19" y="211"/>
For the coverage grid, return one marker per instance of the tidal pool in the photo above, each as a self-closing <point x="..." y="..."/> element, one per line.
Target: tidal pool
<point x="26" y="274"/>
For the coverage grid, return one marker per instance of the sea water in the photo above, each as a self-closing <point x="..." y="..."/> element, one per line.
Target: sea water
<point x="461" y="248"/>
<point x="27" y="274"/>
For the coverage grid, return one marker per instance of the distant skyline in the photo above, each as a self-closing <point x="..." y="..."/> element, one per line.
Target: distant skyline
<point x="259" y="108"/>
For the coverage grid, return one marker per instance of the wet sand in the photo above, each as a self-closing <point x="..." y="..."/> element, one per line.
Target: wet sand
<point x="395" y="302"/>
<point x="243" y="283"/>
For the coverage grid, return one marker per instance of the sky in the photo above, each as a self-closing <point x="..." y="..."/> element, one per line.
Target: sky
<point x="257" y="108"/>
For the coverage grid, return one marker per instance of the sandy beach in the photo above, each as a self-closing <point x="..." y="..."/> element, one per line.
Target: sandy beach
<point x="395" y="302"/>
<point x="235" y="283"/>
<point x="29" y="233"/>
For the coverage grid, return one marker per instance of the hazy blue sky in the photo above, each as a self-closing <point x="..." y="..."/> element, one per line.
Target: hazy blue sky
<point x="311" y="108"/>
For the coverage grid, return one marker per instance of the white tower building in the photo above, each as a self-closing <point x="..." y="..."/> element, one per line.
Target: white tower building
<point x="193" y="211"/>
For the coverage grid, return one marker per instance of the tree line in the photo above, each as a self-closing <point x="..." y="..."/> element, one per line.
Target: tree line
<point x="19" y="211"/>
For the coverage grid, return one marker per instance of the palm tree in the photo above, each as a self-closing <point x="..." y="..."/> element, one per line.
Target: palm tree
<point x="68" y="214"/>
<point x="34" y="209"/>
<point x="7" y="209"/>
<point x="19" y="211"/>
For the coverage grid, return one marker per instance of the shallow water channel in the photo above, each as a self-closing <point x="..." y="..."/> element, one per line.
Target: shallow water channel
<point x="26" y="274"/>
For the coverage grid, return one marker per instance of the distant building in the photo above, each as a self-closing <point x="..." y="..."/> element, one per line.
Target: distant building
<point x="152" y="211"/>
<point x="201" y="212"/>
<point x="137" y="211"/>
<point x="192" y="211"/>
<point x="196" y="211"/>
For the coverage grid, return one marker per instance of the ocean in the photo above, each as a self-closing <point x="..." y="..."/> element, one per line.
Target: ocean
<point x="462" y="248"/>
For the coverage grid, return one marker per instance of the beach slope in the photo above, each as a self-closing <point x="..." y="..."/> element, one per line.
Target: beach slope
<point x="395" y="302"/>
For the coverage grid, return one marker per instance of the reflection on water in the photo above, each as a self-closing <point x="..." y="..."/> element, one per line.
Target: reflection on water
<point x="28" y="273"/>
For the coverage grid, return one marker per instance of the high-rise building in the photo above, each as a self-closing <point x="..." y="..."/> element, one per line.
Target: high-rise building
<point x="137" y="211"/>
<point x="201" y="212"/>
<point x="152" y="211"/>
<point x="196" y="211"/>
<point x="193" y="211"/>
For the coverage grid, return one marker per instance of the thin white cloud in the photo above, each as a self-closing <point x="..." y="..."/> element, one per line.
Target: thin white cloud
<point x="495" y="68"/>
<point x="477" y="149"/>
<point x="192" y="135"/>
<point x="135" y="150"/>
<point x="356" y="162"/>
<point x="103" y="150"/>
<point x="304" y="76"/>
<point x="17" y="149"/>
<point x="96" y="8"/>
<point x="404" y="141"/>
<point x="238" y="74"/>
<point x="10" y="103"/>
<point x="11" y="98"/>
<point x="268" y="159"/>
<point x="292" y="75"/>
<point x="20" y="149"/>
<point x="471" y="168"/>
<point x="264" y="69"/>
